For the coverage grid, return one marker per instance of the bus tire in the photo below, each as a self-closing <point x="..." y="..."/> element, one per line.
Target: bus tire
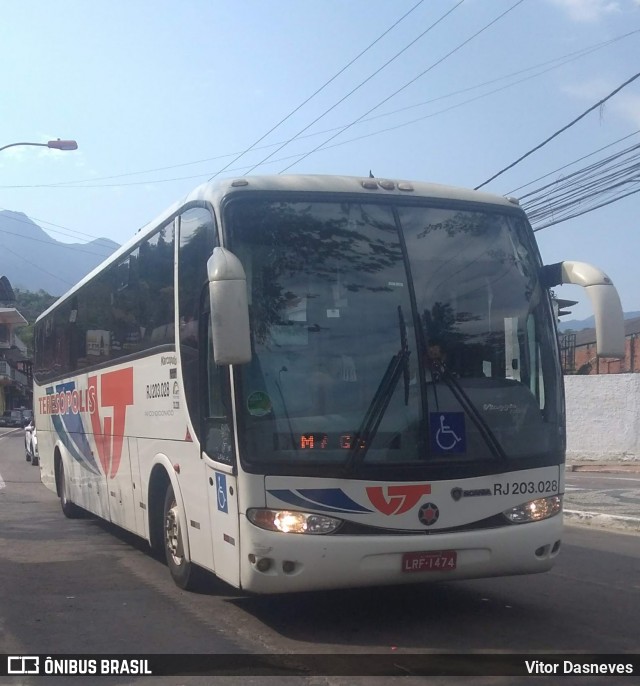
<point x="69" y="509"/>
<point x="183" y="572"/>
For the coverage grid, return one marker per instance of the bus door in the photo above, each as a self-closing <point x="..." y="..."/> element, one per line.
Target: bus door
<point x="121" y="487"/>
<point x="219" y="456"/>
<point x="223" y="513"/>
<point x="216" y="517"/>
<point x="204" y="384"/>
<point x="137" y="519"/>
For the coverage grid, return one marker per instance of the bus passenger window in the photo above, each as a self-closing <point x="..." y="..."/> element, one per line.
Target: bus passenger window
<point x="218" y="435"/>
<point x="196" y="241"/>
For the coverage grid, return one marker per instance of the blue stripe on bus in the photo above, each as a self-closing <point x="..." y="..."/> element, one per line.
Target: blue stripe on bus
<point x="325" y="499"/>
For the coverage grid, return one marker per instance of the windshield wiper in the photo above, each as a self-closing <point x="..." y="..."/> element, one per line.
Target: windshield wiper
<point x="398" y="365"/>
<point x="404" y="348"/>
<point x="468" y="406"/>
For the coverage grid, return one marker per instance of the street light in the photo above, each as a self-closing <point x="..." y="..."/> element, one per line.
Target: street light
<point x="56" y="145"/>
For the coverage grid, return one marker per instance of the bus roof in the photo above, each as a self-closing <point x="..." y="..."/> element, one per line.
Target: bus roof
<point x="214" y="192"/>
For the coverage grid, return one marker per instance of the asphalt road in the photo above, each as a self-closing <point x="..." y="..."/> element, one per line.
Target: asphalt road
<point x="604" y="499"/>
<point x="86" y="587"/>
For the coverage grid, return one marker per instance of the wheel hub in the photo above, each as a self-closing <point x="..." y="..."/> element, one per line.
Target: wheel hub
<point x="172" y="535"/>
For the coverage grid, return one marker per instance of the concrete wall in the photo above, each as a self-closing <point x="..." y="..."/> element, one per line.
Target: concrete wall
<point x="603" y="418"/>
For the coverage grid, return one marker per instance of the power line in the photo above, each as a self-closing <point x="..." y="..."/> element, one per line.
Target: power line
<point x="302" y="104"/>
<point x="562" y="60"/>
<point x="30" y="220"/>
<point x="556" y="61"/>
<point x="406" y="85"/>
<point x="578" y="214"/>
<point x="559" y="208"/>
<point x="66" y="246"/>
<point x="340" y="128"/>
<point x="584" y="182"/>
<point x="570" y="164"/>
<point x="360" y="85"/>
<point x="42" y="269"/>
<point x="562" y="130"/>
<point x="585" y="190"/>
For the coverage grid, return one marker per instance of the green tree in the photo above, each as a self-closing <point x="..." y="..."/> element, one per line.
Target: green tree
<point x="31" y="305"/>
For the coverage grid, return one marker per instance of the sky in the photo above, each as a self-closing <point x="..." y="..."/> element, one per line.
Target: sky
<point x="162" y="95"/>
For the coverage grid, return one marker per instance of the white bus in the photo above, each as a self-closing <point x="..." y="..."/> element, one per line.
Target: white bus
<point x="308" y="382"/>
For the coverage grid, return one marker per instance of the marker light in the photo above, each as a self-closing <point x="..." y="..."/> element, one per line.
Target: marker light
<point x="534" y="510"/>
<point x="290" y="522"/>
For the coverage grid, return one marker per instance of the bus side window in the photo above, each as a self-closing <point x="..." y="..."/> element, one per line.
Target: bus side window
<point x="205" y="385"/>
<point x="218" y="435"/>
<point x="196" y="241"/>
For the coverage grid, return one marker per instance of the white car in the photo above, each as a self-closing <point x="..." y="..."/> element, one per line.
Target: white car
<point x="31" y="444"/>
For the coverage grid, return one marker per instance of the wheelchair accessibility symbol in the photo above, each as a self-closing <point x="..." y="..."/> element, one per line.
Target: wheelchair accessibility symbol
<point x="448" y="433"/>
<point x="221" y="492"/>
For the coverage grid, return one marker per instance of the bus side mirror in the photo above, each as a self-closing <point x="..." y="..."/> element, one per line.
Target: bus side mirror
<point x="604" y="298"/>
<point x="229" y="308"/>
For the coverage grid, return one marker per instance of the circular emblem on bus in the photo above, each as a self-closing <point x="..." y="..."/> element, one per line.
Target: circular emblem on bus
<point x="428" y="514"/>
<point x="258" y="404"/>
<point x="456" y="493"/>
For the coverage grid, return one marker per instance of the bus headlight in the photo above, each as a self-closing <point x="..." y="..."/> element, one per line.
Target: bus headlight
<point x="534" y="510"/>
<point x="292" y="522"/>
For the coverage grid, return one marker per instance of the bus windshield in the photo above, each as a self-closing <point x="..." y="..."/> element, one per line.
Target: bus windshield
<point x="444" y="299"/>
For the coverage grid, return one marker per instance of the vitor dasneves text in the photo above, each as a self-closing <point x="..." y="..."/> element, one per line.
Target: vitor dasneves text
<point x="569" y="667"/>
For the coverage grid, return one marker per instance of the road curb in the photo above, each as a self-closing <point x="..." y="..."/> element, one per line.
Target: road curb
<point x="601" y="521"/>
<point x="612" y="468"/>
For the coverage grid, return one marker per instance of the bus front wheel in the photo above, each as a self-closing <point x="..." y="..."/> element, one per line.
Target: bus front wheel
<point x="70" y="510"/>
<point x="182" y="570"/>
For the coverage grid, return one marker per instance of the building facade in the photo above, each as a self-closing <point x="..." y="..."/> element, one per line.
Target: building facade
<point x="578" y="350"/>
<point x="15" y="365"/>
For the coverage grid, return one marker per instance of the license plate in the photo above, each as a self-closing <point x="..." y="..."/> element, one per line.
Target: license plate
<point x="438" y="561"/>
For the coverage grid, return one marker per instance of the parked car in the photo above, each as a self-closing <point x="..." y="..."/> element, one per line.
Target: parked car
<point x="13" y="419"/>
<point x="31" y="444"/>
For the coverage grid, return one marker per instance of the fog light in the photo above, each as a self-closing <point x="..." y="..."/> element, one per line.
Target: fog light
<point x="534" y="510"/>
<point x="264" y="564"/>
<point x="288" y="567"/>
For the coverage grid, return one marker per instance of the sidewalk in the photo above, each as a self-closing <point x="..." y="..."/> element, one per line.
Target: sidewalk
<point x="613" y="505"/>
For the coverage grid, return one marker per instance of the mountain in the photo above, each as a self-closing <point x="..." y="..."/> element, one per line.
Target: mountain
<point x="32" y="260"/>
<point x="589" y="323"/>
